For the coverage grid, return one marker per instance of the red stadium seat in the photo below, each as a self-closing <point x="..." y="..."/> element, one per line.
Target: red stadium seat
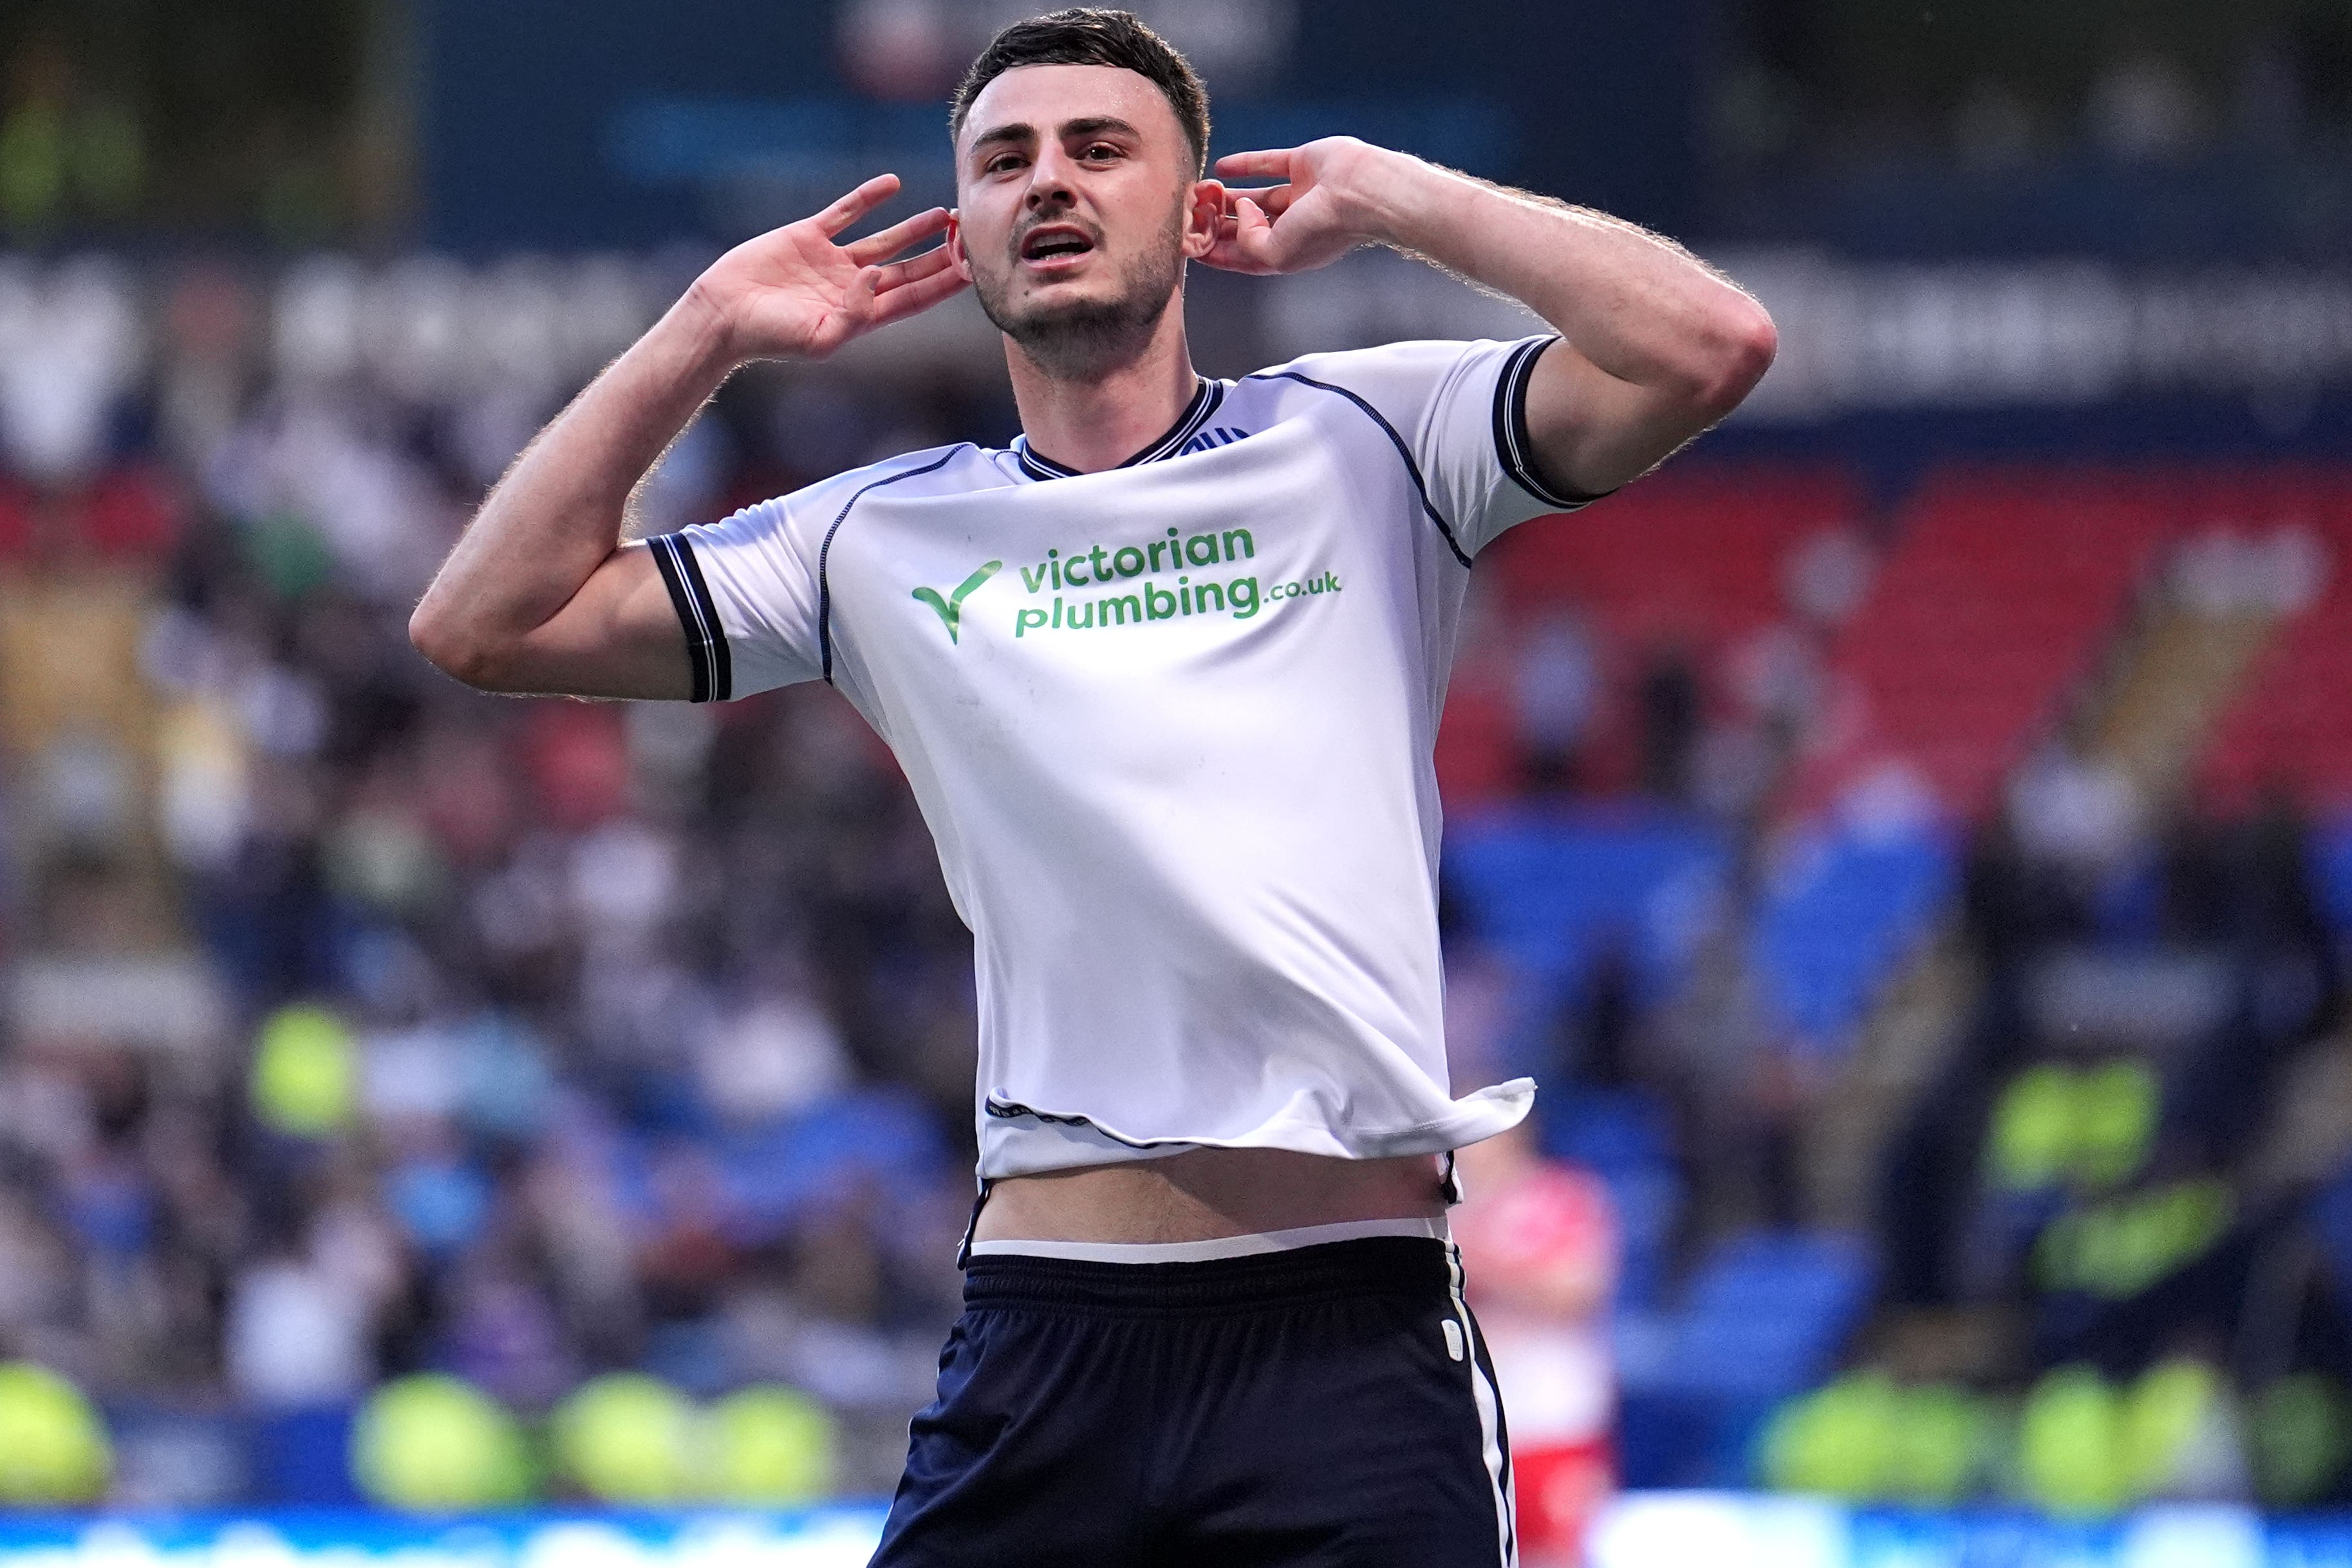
<point x="2006" y="586"/>
<point x="2289" y="730"/>
<point x="1693" y="559"/>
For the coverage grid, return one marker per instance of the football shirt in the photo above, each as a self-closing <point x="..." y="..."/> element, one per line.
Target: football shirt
<point x="1170" y="726"/>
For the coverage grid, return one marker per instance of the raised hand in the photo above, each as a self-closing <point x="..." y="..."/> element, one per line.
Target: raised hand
<point x="1318" y="212"/>
<point x="793" y="293"/>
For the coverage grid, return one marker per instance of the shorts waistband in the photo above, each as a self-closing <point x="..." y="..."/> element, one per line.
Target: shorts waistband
<point x="1223" y="1247"/>
<point x="1382" y="1265"/>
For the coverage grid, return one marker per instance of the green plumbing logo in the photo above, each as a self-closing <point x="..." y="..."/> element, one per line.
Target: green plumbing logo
<point x="1164" y="579"/>
<point x="950" y="609"/>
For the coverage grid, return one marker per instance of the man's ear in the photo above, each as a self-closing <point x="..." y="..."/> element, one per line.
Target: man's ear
<point x="956" y="257"/>
<point x="1203" y="217"/>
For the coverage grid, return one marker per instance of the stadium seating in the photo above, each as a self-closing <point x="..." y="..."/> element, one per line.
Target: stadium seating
<point x="1622" y="1137"/>
<point x="2332" y="874"/>
<point x="1551" y="887"/>
<point x="1694" y="560"/>
<point x="1839" y="914"/>
<point x="1696" y="554"/>
<point x="2005" y="589"/>
<point x="2331" y="1224"/>
<point x="2287" y="730"/>
<point x="1765" y="1316"/>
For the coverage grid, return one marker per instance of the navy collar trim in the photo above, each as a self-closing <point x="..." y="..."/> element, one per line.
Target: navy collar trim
<point x="1205" y="399"/>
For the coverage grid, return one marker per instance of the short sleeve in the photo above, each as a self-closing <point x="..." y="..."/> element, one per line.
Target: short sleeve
<point x="1460" y="409"/>
<point x="747" y="599"/>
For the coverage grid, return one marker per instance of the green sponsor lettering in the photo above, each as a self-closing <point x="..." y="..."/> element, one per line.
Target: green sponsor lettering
<point x="1120" y="611"/>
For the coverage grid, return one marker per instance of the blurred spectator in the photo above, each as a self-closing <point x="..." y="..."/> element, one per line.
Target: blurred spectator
<point x="2077" y="817"/>
<point x="2143" y="106"/>
<point x="1540" y="1246"/>
<point x="1670" y="707"/>
<point x="297" y="1335"/>
<point x="1554" y="691"/>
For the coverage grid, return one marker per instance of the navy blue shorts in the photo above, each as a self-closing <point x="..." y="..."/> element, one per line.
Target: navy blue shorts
<point x="1326" y="1406"/>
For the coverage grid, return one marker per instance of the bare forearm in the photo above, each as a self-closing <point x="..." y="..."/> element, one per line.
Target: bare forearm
<point x="539" y="596"/>
<point x="558" y="513"/>
<point x="1638" y="306"/>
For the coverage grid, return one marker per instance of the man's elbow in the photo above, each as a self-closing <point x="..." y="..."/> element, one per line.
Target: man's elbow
<point x="469" y="659"/>
<point x="1745" y="343"/>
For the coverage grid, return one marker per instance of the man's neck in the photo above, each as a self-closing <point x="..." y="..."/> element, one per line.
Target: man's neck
<point x="1098" y="422"/>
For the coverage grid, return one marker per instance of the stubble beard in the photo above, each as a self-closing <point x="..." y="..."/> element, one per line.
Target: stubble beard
<point x="1080" y="340"/>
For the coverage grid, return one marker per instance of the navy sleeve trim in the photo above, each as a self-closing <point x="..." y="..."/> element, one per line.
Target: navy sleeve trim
<point x="706" y="638"/>
<point x="1403" y="451"/>
<point x="1513" y="447"/>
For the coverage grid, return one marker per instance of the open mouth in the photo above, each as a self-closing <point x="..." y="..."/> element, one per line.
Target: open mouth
<point x="1054" y="243"/>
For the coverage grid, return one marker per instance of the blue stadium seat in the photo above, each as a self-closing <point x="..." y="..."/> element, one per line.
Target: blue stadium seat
<point x="1838" y="917"/>
<point x="881" y="1137"/>
<point x="1622" y="1137"/>
<point x="2331" y="1222"/>
<point x="1552" y="888"/>
<point x="1765" y="1317"/>
<point x="1608" y="1129"/>
<point x="2331" y="873"/>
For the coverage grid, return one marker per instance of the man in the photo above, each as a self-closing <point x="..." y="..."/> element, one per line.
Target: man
<point x="1164" y="676"/>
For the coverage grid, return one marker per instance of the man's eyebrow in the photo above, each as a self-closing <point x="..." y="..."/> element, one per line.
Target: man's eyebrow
<point x="1096" y="125"/>
<point x="1002" y="133"/>
<point x="1014" y="134"/>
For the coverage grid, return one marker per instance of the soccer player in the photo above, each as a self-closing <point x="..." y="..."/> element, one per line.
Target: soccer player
<point x="1164" y="676"/>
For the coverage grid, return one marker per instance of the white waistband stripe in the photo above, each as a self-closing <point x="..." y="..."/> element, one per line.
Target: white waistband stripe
<point x="1223" y="1247"/>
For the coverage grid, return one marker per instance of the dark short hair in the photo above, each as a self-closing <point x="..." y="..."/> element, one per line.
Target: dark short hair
<point x="1089" y="35"/>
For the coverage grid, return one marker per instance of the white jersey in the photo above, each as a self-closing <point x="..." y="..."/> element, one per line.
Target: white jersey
<point x="1170" y="725"/>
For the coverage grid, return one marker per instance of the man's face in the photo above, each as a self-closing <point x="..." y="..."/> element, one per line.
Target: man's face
<point x="1076" y="206"/>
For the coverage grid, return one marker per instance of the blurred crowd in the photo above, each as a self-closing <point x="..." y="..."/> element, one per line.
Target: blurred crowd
<point x="520" y="1039"/>
<point x="2165" y="84"/>
<point x="362" y="1028"/>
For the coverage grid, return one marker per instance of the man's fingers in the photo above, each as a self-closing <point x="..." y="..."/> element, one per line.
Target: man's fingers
<point x="1246" y="241"/>
<point x="890" y="241"/>
<point x="1271" y="198"/>
<point x="1227" y="256"/>
<point x="914" y="269"/>
<point x="919" y="295"/>
<point x="1273" y="164"/>
<point x="850" y="208"/>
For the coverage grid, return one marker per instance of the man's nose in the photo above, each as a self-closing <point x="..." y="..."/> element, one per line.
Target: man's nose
<point x="1051" y="178"/>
